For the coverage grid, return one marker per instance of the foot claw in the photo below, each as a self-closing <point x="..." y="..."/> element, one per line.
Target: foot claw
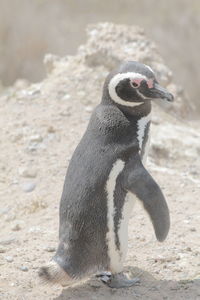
<point x="119" y="281"/>
<point x="105" y="273"/>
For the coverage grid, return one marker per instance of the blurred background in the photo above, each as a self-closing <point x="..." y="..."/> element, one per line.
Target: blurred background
<point x="30" y="29"/>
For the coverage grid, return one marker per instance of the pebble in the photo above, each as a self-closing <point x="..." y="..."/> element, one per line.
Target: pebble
<point x="193" y="229"/>
<point x="35" y="229"/>
<point x="16" y="137"/>
<point x="10" y="217"/>
<point x="66" y="97"/>
<point x="89" y="108"/>
<point x="3" y="249"/>
<point x="178" y="270"/>
<point x="188" y="249"/>
<point x="16" y="227"/>
<point x="50" y="249"/>
<point x="28" y="187"/>
<point x="24" y="268"/>
<point x="28" y="172"/>
<point x="36" y="138"/>
<point x="7" y="241"/>
<point x="9" y="258"/>
<point x="51" y="129"/>
<point x="12" y="284"/>
<point x="65" y="113"/>
<point x="32" y="147"/>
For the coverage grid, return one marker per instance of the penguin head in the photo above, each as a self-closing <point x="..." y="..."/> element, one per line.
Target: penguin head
<point x="134" y="83"/>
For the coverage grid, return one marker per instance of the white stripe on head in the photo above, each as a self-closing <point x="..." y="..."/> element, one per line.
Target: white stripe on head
<point x="115" y="81"/>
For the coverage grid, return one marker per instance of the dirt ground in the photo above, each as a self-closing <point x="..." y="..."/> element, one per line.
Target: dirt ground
<point x="41" y="125"/>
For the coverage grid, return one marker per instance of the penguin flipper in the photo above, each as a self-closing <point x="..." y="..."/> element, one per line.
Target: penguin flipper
<point x="138" y="181"/>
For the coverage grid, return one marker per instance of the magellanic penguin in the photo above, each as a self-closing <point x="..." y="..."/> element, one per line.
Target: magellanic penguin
<point x="105" y="175"/>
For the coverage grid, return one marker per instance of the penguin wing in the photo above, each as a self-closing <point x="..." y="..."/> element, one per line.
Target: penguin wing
<point x="138" y="181"/>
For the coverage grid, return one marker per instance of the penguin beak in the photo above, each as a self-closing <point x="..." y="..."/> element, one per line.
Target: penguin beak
<point x="160" y="92"/>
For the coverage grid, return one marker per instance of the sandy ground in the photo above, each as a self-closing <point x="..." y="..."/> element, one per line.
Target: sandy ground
<point x="40" y="127"/>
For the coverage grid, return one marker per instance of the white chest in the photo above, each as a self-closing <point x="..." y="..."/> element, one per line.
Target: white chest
<point x="141" y="127"/>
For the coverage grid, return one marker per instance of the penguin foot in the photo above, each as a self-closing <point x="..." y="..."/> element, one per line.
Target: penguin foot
<point x="102" y="274"/>
<point x="118" y="281"/>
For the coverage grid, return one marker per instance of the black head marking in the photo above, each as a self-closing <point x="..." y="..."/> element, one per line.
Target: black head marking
<point x="133" y="84"/>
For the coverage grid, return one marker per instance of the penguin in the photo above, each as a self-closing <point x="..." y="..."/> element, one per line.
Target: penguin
<point x="105" y="176"/>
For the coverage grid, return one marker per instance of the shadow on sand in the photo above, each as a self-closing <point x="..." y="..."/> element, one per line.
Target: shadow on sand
<point x="149" y="288"/>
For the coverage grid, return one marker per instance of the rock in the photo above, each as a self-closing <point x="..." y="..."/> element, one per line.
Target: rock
<point x="37" y="138"/>
<point x="50" y="249"/>
<point x="7" y="241"/>
<point x="89" y="108"/>
<point x="16" y="226"/>
<point x="66" y="97"/>
<point x="65" y="113"/>
<point x="9" y="258"/>
<point x="3" y="249"/>
<point x="12" y="284"/>
<point x="10" y="217"/>
<point x="35" y="229"/>
<point x="33" y="147"/>
<point x="17" y="137"/>
<point x="28" y="187"/>
<point x="51" y="129"/>
<point x="28" y="172"/>
<point x="159" y="151"/>
<point x="24" y="268"/>
<point x="193" y="229"/>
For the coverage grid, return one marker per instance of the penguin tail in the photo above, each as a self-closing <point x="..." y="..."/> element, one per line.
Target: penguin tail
<point x="53" y="273"/>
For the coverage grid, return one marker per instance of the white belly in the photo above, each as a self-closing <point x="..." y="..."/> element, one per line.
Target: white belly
<point x="116" y="255"/>
<point x="123" y="229"/>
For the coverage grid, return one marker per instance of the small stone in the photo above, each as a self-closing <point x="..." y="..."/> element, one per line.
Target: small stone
<point x="2" y="249"/>
<point x="28" y="187"/>
<point x="7" y="241"/>
<point x="24" y="268"/>
<point x="66" y="97"/>
<point x="16" y="137"/>
<point x="9" y="258"/>
<point x="28" y="172"/>
<point x="193" y="229"/>
<point x="186" y="221"/>
<point x="35" y="229"/>
<point x="88" y="108"/>
<point x="65" y="113"/>
<point x="36" y="138"/>
<point x="50" y="249"/>
<point x="51" y="129"/>
<point x="188" y="249"/>
<point x="16" y="227"/>
<point x="10" y="217"/>
<point x="178" y="270"/>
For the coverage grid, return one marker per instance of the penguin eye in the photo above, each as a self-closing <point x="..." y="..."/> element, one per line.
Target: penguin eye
<point x="136" y="82"/>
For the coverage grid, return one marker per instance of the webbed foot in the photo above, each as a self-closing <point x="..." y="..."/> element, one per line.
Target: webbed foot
<point x="118" y="281"/>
